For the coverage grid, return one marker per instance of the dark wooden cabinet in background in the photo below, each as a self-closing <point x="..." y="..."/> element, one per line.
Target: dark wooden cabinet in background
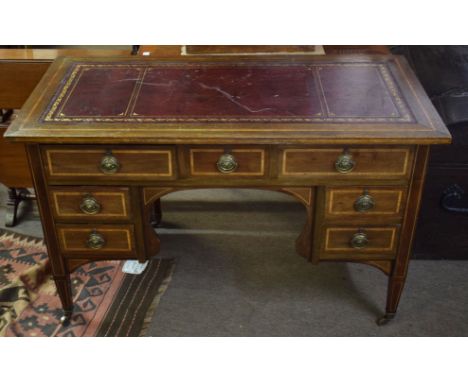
<point x="443" y="229"/>
<point x="20" y="72"/>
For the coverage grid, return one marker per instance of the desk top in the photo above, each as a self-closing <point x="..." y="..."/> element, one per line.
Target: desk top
<point x="363" y="99"/>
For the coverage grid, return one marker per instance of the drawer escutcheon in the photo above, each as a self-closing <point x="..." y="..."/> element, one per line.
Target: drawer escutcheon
<point x="95" y="240"/>
<point x="89" y="205"/>
<point x="109" y="164"/>
<point x="226" y="163"/>
<point x="359" y="240"/>
<point x="364" y="203"/>
<point x="345" y="163"/>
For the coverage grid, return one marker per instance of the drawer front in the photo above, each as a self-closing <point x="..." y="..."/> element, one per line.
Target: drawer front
<point x="344" y="202"/>
<point x="239" y="162"/>
<point x="359" y="242"/>
<point x="120" y="163"/>
<point x="362" y="162"/>
<point x="117" y="240"/>
<point x="90" y="203"/>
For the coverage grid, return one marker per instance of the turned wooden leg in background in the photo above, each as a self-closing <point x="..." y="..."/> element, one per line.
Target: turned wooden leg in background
<point x="11" y="207"/>
<point x="5" y="114"/>
<point x="156" y="215"/>
<point x="15" y="197"/>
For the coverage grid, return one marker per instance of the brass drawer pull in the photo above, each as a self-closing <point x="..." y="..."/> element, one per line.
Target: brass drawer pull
<point x="359" y="240"/>
<point x="226" y="163"/>
<point x="95" y="240"/>
<point x="364" y="203"/>
<point x="90" y="206"/>
<point x="345" y="163"/>
<point x="109" y="164"/>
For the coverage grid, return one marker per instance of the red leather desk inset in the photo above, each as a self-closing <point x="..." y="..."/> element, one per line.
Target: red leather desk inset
<point x="216" y="92"/>
<point x="347" y="136"/>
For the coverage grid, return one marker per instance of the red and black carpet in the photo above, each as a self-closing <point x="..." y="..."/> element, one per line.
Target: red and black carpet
<point x="107" y="301"/>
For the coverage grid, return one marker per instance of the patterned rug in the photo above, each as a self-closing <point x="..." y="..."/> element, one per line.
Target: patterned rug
<point x="107" y="301"/>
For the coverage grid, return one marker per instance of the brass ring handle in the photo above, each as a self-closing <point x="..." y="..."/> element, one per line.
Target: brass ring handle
<point x="226" y="163"/>
<point x="359" y="240"/>
<point x="109" y="164"/>
<point x="95" y="240"/>
<point x="90" y="206"/>
<point x="364" y="203"/>
<point x="345" y="163"/>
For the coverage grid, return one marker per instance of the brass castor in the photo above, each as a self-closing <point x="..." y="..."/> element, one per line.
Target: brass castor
<point x="66" y="318"/>
<point x="385" y="319"/>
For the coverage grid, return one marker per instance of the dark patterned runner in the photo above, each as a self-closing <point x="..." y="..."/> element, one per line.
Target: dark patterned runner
<point x="107" y="301"/>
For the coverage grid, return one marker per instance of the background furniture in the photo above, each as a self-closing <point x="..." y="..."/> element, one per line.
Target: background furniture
<point x="256" y="50"/>
<point x="20" y="72"/>
<point x="14" y="173"/>
<point x="18" y="77"/>
<point x="443" y="71"/>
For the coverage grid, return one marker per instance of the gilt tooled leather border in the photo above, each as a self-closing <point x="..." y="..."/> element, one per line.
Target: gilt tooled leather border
<point x="53" y="113"/>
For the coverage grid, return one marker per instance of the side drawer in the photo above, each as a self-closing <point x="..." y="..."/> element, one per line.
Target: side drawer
<point x="359" y="242"/>
<point x="346" y="163"/>
<point x="76" y="162"/>
<point x="90" y="203"/>
<point x="362" y="202"/>
<point x="238" y="162"/>
<point x="115" y="240"/>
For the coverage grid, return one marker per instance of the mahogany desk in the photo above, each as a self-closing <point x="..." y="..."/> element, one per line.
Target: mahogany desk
<point x="348" y="136"/>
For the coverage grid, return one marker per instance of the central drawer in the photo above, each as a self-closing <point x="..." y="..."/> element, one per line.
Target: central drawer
<point x="142" y="163"/>
<point x="236" y="162"/>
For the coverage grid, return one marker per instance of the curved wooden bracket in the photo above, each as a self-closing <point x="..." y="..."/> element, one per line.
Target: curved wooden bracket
<point x="303" y="194"/>
<point x="304" y="241"/>
<point x="73" y="264"/>
<point x="384" y="265"/>
<point x="151" y="194"/>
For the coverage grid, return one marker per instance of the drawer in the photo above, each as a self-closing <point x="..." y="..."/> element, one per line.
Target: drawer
<point x="238" y="162"/>
<point x="346" y="163"/>
<point x="344" y="202"/>
<point x="115" y="240"/>
<point x="359" y="242"/>
<point x="90" y="203"/>
<point x="103" y="162"/>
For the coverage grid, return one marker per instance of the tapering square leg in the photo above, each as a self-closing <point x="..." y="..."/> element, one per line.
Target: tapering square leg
<point x="64" y="290"/>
